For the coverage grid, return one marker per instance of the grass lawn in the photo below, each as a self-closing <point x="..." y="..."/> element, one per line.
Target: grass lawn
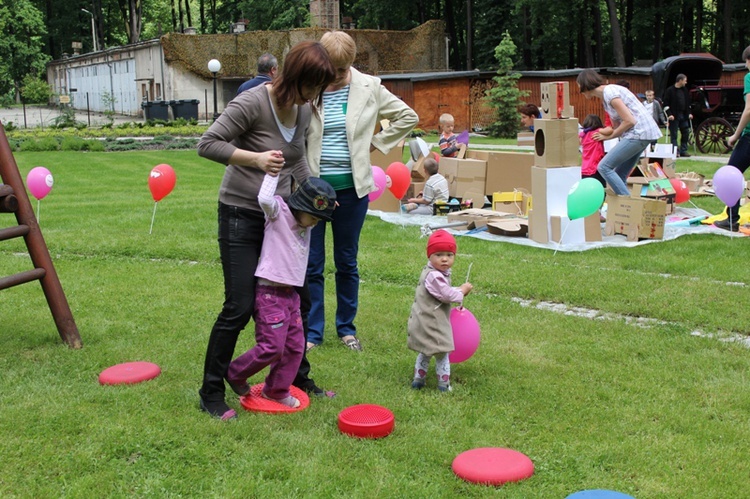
<point x="596" y="400"/>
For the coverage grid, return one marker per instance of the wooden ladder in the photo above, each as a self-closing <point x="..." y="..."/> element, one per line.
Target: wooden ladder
<point x="13" y="199"/>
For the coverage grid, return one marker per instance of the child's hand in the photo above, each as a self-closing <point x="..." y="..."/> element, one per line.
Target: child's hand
<point x="466" y="288"/>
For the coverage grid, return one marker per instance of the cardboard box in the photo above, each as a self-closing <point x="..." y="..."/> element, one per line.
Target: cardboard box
<point x="525" y="139"/>
<point x="517" y="202"/>
<point x="556" y="100"/>
<point x="475" y="217"/>
<point x="386" y="202"/>
<point x="506" y="171"/>
<point x="414" y="189"/>
<point x="636" y="218"/>
<point x="693" y="181"/>
<point x="463" y="175"/>
<point x="550" y="188"/>
<point x="377" y="158"/>
<point x="556" y="143"/>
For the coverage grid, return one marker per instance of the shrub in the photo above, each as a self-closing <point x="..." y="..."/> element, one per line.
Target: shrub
<point x="34" y="90"/>
<point x="505" y="97"/>
<point x="43" y="144"/>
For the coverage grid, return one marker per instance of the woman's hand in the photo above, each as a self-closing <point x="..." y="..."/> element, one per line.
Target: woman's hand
<point x="270" y="162"/>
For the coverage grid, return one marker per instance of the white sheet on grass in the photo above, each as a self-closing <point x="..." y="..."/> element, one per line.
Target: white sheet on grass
<point x="670" y="231"/>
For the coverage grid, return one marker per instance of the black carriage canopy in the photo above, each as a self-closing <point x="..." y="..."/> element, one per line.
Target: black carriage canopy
<point x="700" y="69"/>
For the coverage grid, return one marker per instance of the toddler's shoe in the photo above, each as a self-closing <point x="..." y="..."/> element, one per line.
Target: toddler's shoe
<point x="417" y="383"/>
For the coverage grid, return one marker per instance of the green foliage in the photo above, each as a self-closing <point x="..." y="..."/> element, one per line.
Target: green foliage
<point x="109" y="101"/>
<point x="21" y="46"/>
<point x="42" y="144"/>
<point x="505" y="97"/>
<point x="79" y="144"/>
<point x="66" y="118"/>
<point x="35" y="90"/>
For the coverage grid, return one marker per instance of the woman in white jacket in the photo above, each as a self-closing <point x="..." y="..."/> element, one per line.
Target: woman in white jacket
<point x="339" y="142"/>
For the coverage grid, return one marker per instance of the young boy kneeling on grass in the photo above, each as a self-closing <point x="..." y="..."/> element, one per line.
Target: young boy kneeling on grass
<point x="429" y="326"/>
<point x="279" y="337"/>
<point x="435" y="189"/>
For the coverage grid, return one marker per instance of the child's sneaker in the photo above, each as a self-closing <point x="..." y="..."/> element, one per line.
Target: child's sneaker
<point x="417" y="383"/>
<point x="444" y="387"/>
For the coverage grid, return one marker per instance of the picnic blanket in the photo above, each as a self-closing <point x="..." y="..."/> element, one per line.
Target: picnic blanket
<point x="671" y="230"/>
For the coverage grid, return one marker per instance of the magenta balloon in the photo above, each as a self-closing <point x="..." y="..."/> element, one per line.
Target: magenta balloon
<point x="465" y="335"/>
<point x="729" y="184"/>
<point x="378" y="175"/>
<point x="39" y="180"/>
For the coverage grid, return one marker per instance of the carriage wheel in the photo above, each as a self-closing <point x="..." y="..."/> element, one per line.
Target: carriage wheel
<point x="711" y="136"/>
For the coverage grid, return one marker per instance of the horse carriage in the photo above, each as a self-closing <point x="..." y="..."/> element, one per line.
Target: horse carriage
<point x="715" y="108"/>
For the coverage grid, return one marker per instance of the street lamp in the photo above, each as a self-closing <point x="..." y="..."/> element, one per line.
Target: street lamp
<point x="93" y="29"/>
<point x="214" y="66"/>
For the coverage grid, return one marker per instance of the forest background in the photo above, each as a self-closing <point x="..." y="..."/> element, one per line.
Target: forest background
<point x="548" y="34"/>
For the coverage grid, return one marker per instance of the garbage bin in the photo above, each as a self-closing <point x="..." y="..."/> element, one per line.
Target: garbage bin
<point x="155" y="110"/>
<point x="185" y="108"/>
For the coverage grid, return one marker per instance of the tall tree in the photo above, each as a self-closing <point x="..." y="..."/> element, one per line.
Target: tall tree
<point x="22" y="45"/>
<point x="617" y="49"/>
<point x="132" y="13"/>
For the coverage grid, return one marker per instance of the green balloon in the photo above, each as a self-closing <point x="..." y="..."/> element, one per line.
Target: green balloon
<point x="584" y="198"/>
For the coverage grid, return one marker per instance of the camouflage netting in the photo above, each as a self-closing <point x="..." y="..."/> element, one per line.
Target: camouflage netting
<point x="418" y="50"/>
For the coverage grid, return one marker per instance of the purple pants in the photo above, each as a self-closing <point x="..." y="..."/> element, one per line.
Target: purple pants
<point x="279" y="341"/>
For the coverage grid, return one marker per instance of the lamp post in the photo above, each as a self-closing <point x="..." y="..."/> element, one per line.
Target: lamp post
<point x="214" y="66"/>
<point x="93" y="29"/>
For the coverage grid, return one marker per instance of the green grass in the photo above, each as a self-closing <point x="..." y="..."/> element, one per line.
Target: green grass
<point x="654" y="412"/>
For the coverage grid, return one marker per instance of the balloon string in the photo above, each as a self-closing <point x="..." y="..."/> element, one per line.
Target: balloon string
<point x="38" y="211"/>
<point x="562" y="237"/>
<point x="468" y="273"/>
<point x="152" y="217"/>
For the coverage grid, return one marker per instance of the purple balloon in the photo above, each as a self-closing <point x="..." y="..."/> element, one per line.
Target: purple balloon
<point x="729" y="184"/>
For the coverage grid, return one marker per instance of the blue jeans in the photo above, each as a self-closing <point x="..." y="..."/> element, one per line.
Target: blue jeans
<point x="740" y="158"/>
<point x="348" y="219"/>
<point x="620" y="161"/>
<point x="683" y="123"/>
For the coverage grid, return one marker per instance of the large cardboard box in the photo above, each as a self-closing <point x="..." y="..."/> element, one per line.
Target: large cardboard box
<point x="636" y="218"/>
<point x="556" y="143"/>
<point x="377" y="158"/>
<point x="506" y="171"/>
<point x="556" y="100"/>
<point x="464" y="175"/>
<point x="550" y="188"/>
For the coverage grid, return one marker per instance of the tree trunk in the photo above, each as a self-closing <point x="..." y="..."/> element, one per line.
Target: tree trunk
<point x="656" y="53"/>
<point x="174" y="16"/>
<point x="187" y="13"/>
<point x="526" y="51"/>
<point x="450" y="22"/>
<point x="598" y="34"/>
<point x="469" y="36"/>
<point x="202" y="8"/>
<point x="616" y="34"/>
<point x="182" y="22"/>
<point x="726" y="16"/>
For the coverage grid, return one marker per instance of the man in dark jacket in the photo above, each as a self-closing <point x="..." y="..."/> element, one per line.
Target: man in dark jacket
<point x="267" y="68"/>
<point x="677" y="105"/>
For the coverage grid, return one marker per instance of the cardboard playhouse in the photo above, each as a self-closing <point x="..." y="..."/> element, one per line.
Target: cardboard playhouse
<point x="556" y="170"/>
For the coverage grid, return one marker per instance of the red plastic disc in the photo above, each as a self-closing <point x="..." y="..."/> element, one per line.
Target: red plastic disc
<point x="366" y="421"/>
<point x="253" y="401"/>
<point x="492" y="466"/>
<point x="128" y="373"/>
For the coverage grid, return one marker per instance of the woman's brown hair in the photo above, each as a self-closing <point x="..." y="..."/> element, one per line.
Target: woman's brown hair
<point x="306" y="64"/>
<point x="589" y="79"/>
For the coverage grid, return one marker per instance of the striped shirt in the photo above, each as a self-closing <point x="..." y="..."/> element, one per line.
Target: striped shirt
<point x="645" y="127"/>
<point x="335" y="161"/>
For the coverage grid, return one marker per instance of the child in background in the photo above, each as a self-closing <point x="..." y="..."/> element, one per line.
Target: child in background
<point x="429" y="326"/>
<point x="448" y="142"/>
<point x="435" y="189"/>
<point x="592" y="150"/>
<point x="279" y="337"/>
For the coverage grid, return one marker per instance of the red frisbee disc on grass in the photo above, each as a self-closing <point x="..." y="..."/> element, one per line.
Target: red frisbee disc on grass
<point x="366" y="421"/>
<point x="492" y="466"/>
<point x="255" y="402"/>
<point x="129" y="373"/>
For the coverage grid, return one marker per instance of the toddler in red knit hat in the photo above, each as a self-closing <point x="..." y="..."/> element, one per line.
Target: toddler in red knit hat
<point x="429" y="326"/>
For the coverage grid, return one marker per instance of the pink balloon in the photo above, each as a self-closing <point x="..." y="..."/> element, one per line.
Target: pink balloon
<point x="729" y="184"/>
<point x="465" y="335"/>
<point x="39" y="180"/>
<point x="378" y="175"/>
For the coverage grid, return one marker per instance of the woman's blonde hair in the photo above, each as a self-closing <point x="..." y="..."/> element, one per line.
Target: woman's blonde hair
<point x="340" y="47"/>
